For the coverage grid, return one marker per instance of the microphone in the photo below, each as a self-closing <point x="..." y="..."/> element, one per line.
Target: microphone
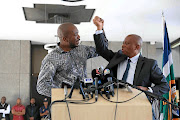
<point x="106" y="91"/>
<point x="77" y="84"/>
<point x="65" y="90"/>
<point x="96" y="88"/>
<point x="95" y="75"/>
<point x="108" y="75"/>
<point x="101" y="69"/>
<point x="88" y="82"/>
<point x="98" y="73"/>
<point x="65" y="86"/>
<point x="107" y="72"/>
<point x="92" y="88"/>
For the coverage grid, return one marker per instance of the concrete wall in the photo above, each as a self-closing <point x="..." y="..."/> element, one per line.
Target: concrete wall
<point x="176" y="61"/>
<point x="15" y="70"/>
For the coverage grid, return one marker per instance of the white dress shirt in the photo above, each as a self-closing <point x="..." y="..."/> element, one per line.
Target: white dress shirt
<point x="3" y="111"/>
<point x="98" y="32"/>
<point x="122" y="67"/>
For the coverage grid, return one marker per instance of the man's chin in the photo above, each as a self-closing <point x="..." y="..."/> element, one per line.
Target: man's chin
<point x="124" y="53"/>
<point x="74" y="46"/>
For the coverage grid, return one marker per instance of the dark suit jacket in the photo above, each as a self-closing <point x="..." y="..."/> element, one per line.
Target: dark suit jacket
<point x="147" y="70"/>
<point x="36" y="113"/>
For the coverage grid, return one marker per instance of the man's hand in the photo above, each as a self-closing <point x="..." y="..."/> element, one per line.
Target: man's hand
<point x="31" y="118"/>
<point x="143" y="88"/>
<point x="47" y="112"/>
<point x="99" y="22"/>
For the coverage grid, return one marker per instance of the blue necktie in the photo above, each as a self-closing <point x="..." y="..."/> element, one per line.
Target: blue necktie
<point x="126" y="71"/>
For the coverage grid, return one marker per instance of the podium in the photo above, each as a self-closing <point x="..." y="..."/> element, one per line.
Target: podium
<point x="138" y="108"/>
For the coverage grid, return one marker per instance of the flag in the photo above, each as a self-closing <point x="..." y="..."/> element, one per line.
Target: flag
<point x="168" y="112"/>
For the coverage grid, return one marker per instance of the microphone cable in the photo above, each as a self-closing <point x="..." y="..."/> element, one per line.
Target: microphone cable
<point x="68" y="108"/>
<point x="116" y="102"/>
<point x="121" y="101"/>
<point x="117" y="96"/>
<point x="69" y="101"/>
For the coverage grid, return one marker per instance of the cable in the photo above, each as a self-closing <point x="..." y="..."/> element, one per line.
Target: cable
<point x="68" y="109"/>
<point x="116" y="102"/>
<point x="70" y="101"/>
<point x="81" y="102"/>
<point x="121" y="101"/>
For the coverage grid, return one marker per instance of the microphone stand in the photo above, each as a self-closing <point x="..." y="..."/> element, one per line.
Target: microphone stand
<point x="96" y="88"/>
<point x="153" y="95"/>
<point x="77" y="84"/>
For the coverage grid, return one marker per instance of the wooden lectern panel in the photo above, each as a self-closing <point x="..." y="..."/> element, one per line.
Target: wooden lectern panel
<point x="137" y="109"/>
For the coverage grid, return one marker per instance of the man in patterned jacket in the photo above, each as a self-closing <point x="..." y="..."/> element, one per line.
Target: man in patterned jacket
<point x="66" y="63"/>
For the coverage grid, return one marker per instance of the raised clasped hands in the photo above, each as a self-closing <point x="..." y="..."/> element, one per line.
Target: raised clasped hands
<point x="99" y="22"/>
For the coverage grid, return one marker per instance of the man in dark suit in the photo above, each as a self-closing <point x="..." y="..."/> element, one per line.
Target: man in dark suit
<point x="128" y="64"/>
<point x="32" y="110"/>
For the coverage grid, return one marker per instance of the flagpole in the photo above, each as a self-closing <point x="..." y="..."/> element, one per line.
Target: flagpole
<point x="163" y="21"/>
<point x="162" y="114"/>
<point x="170" y="107"/>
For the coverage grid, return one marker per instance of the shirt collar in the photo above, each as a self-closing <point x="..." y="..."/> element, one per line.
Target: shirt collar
<point x="135" y="58"/>
<point x="45" y="107"/>
<point x="62" y="51"/>
<point x="32" y="104"/>
<point x="2" y="104"/>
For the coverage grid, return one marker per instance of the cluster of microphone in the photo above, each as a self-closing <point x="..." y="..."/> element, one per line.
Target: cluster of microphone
<point x="101" y="81"/>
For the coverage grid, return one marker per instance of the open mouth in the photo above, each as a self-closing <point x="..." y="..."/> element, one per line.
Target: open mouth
<point x="77" y="42"/>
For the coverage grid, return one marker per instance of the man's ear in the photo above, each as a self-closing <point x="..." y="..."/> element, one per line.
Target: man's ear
<point x="138" y="47"/>
<point x="65" y="39"/>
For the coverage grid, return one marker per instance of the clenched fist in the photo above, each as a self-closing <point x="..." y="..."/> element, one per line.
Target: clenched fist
<point x="99" y="22"/>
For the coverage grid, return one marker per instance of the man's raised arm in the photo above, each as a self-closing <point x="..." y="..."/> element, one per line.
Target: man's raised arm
<point x="101" y="41"/>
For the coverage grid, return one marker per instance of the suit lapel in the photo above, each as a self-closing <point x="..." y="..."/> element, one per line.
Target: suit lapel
<point x="138" y="69"/>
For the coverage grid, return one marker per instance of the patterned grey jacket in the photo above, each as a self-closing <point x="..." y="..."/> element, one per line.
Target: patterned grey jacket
<point x="59" y="66"/>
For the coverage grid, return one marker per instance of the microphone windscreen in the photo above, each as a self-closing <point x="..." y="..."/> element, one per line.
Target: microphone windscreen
<point x="107" y="71"/>
<point x="95" y="73"/>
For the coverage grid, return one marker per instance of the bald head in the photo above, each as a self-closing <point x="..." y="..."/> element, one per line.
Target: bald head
<point x="132" y="45"/>
<point x="69" y="36"/>
<point x="136" y="39"/>
<point x="64" y="29"/>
